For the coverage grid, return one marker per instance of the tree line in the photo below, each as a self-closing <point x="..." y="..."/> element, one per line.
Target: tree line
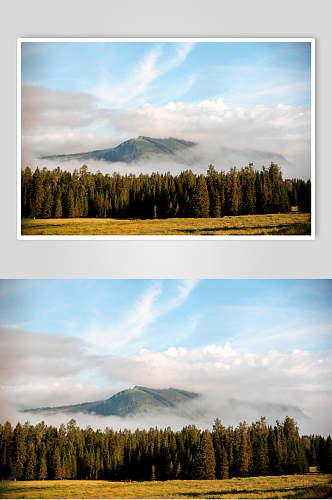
<point x="30" y="452"/>
<point x="58" y="193"/>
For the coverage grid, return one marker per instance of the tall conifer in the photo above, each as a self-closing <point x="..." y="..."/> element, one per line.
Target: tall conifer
<point x="204" y="465"/>
<point x="200" y="201"/>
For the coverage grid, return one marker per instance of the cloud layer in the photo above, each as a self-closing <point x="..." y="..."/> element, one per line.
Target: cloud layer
<point x="41" y="370"/>
<point x="59" y="122"/>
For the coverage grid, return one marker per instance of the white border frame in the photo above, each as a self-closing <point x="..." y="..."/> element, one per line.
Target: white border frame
<point x="171" y="237"/>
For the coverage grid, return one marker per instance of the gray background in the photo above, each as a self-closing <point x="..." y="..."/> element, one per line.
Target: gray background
<point x="162" y="259"/>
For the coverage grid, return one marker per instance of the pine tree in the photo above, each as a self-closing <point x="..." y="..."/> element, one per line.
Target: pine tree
<point x="56" y="464"/>
<point x="205" y="463"/>
<point x="301" y="459"/>
<point x="214" y="191"/>
<point x="291" y="434"/>
<point x="275" y="181"/>
<point x="163" y="203"/>
<point x="243" y="451"/>
<point x="200" y="203"/>
<point x="6" y="450"/>
<point x="58" y="205"/>
<point x="38" y="194"/>
<point x="224" y="465"/>
<point x="71" y="203"/>
<point x="42" y="464"/>
<point x="31" y="462"/>
<point x="26" y="192"/>
<point x="233" y="192"/>
<point x="248" y="190"/>
<point x="274" y="452"/>
<point x="328" y="455"/>
<point x="48" y="204"/>
<point x="284" y="199"/>
<point x="19" y="451"/>
<point x="259" y="444"/>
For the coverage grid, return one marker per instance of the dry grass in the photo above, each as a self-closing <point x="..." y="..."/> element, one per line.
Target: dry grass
<point x="294" y="223"/>
<point x="299" y="486"/>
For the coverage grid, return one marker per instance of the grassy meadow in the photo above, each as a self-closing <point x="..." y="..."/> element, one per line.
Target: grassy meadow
<point x="296" y="486"/>
<point x="293" y="223"/>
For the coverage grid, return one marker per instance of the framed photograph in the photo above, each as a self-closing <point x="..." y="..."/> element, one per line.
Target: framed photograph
<point x="165" y="388"/>
<point x="154" y="138"/>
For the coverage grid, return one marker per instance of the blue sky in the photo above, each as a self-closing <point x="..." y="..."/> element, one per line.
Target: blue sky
<point x="243" y="73"/>
<point x="265" y="344"/>
<point x="240" y="101"/>
<point x="254" y="315"/>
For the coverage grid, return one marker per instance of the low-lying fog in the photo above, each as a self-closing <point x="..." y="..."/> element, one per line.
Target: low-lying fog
<point x="201" y="412"/>
<point x="196" y="158"/>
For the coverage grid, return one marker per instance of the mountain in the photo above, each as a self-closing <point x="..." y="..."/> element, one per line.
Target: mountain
<point x="140" y="148"/>
<point x="127" y="402"/>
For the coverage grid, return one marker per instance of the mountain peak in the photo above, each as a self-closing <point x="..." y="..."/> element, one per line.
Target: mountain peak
<point x="139" y="148"/>
<point x="131" y="401"/>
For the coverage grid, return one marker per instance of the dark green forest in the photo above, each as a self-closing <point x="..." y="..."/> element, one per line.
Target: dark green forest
<point x="45" y="452"/>
<point x="58" y="193"/>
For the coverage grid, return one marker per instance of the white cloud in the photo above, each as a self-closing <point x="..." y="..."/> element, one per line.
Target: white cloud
<point x="48" y="370"/>
<point x="55" y="122"/>
<point x="270" y="127"/>
<point x="27" y="354"/>
<point x="54" y="110"/>
<point x="228" y="136"/>
<point x="300" y="378"/>
<point x="52" y="392"/>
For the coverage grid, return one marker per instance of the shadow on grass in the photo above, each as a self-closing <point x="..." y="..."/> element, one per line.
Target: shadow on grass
<point x="26" y="491"/>
<point x="40" y="226"/>
<point x="235" y="491"/>
<point x="300" y="228"/>
<point x="59" y="485"/>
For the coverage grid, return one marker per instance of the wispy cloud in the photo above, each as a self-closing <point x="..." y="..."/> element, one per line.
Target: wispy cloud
<point x="153" y="65"/>
<point x="147" y="308"/>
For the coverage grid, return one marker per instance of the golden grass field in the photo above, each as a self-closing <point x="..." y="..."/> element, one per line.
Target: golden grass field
<point x="297" y="486"/>
<point x="293" y="223"/>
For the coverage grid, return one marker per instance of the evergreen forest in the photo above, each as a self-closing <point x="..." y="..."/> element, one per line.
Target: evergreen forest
<point x="58" y="193"/>
<point x="30" y="452"/>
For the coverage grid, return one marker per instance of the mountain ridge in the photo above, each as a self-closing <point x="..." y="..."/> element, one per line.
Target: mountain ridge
<point x="131" y="150"/>
<point x="138" y="399"/>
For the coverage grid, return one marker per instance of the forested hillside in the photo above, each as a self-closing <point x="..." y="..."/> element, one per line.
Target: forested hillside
<point x="46" y="452"/>
<point x="58" y="193"/>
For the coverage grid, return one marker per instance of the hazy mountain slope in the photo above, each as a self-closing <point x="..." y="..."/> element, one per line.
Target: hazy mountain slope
<point x="140" y="148"/>
<point x="130" y="401"/>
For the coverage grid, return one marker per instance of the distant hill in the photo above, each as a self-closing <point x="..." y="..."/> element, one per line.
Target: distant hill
<point x="140" y="148"/>
<point x="127" y="402"/>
